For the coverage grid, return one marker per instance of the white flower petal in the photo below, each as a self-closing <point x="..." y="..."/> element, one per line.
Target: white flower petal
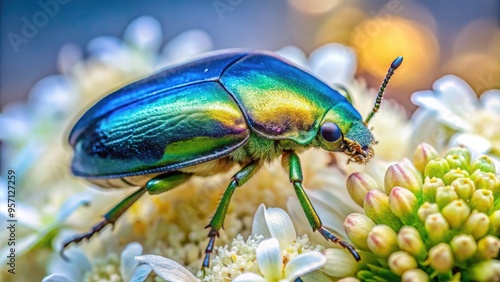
<point x="452" y="89"/>
<point x="29" y="216"/>
<point x="334" y="63"/>
<point x="333" y="206"/>
<point x="70" y="205"/>
<point x="57" y="277"/>
<point x="277" y="224"/>
<point x="167" y="268"/>
<point x="428" y="100"/>
<point x="259" y="225"/>
<point x="127" y="259"/>
<point x="77" y="266"/>
<point x="269" y="259"/>
<point x="249" y="277"/>
<point x="304" y="263"/>
<point x="294" y="54"/>
<point x="67" y="58"/>
<point x="141" y="273"/>
<point x="54" y="97"/>
<point x="184" y="46"/>
<point x="144" y="32"/>
<point x="280" y="226"/>
<point x="426" y="129"/>
<point x="475" y="143"/>
<point x="490" y="100"/>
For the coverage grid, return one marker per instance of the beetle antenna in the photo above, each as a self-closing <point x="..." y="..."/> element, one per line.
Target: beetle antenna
<point x="395" y="64"/>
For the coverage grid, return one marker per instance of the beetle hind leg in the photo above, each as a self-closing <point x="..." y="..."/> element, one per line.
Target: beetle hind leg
<point x="109" y="218"/>
<point x="217" y="221"/>
<point x="157" y="185"/>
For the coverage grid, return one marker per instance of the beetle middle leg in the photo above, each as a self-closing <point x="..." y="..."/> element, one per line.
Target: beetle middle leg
<point x="217" y="221"/>
<point x="292" y="161"/>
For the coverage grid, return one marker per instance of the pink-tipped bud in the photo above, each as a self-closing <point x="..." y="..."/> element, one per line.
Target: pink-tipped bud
<point x="358" y="184"/>
<point x="423" y="155"/>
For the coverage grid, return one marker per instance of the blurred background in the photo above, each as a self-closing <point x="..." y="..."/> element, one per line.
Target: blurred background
<point x="435" y="37"/>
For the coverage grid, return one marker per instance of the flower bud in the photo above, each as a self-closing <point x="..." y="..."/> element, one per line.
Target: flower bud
<point x="376" y="206"/>
<point x="427" y="209"/>
<point x="382" y="240"/>
<point x="464" y="187"/>
<point x="357" y="227"/>
<point x="409" y="240"/>
<point x="400" y="261"/>
<point x="415" y="275"/>
<point x="463" y="247"/>
<point x="488" y="270"/>
<point x="358" y="184"/>
<point x="441" y="258"/>
<point x="339" y="263"/>
<point x="445" y="195"/>
<point x="453" y="174"/>
<point x="456" y="213"/>
<point x="436" y="168"/>
<point x="457" y="161"/>
<point x="437" y="227"/>
<point x="403" y="174"/>
<point x="495" y="223"/>
<point x="484" y="180"/>
<point x="476" y="225"/>
<point x="403" y="204"/>
<point x="482" y="200"/>
<point x="430" y="188"/>
<point x="483" y="163"/>
<point x="461" y="151"/>
<point x="422" y="155"/>
<point x="488" y="247"/>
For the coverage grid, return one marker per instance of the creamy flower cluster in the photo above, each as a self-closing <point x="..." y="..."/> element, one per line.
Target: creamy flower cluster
<point x="436" y="218"/>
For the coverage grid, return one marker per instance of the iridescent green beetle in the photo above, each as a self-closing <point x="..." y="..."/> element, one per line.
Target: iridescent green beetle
<point x="201" y="118"/>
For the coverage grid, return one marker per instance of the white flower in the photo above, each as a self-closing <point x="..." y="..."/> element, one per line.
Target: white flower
<point x="451" y="115"/>
<point x="270" y="261"/>
<point x="80" y="267"/>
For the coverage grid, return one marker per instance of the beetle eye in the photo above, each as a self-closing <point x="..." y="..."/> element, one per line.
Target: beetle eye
<point x="330" y="132"/>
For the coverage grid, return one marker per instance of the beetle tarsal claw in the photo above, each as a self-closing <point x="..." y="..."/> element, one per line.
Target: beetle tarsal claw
<point x="356" y="152"/>
<point x="77" y="239"/>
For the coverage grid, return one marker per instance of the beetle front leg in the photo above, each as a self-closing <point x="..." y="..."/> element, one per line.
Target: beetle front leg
<point x="292" y="160"/>
<point x="217" y="221"/>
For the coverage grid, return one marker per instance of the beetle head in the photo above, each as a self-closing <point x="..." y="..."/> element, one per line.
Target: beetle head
<point x="342" y="128"/>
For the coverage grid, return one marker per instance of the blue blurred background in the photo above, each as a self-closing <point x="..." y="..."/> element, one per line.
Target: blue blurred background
<point x="438" y="37"/>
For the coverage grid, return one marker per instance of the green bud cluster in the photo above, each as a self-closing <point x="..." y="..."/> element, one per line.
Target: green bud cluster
<point x="436" y="218"/>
